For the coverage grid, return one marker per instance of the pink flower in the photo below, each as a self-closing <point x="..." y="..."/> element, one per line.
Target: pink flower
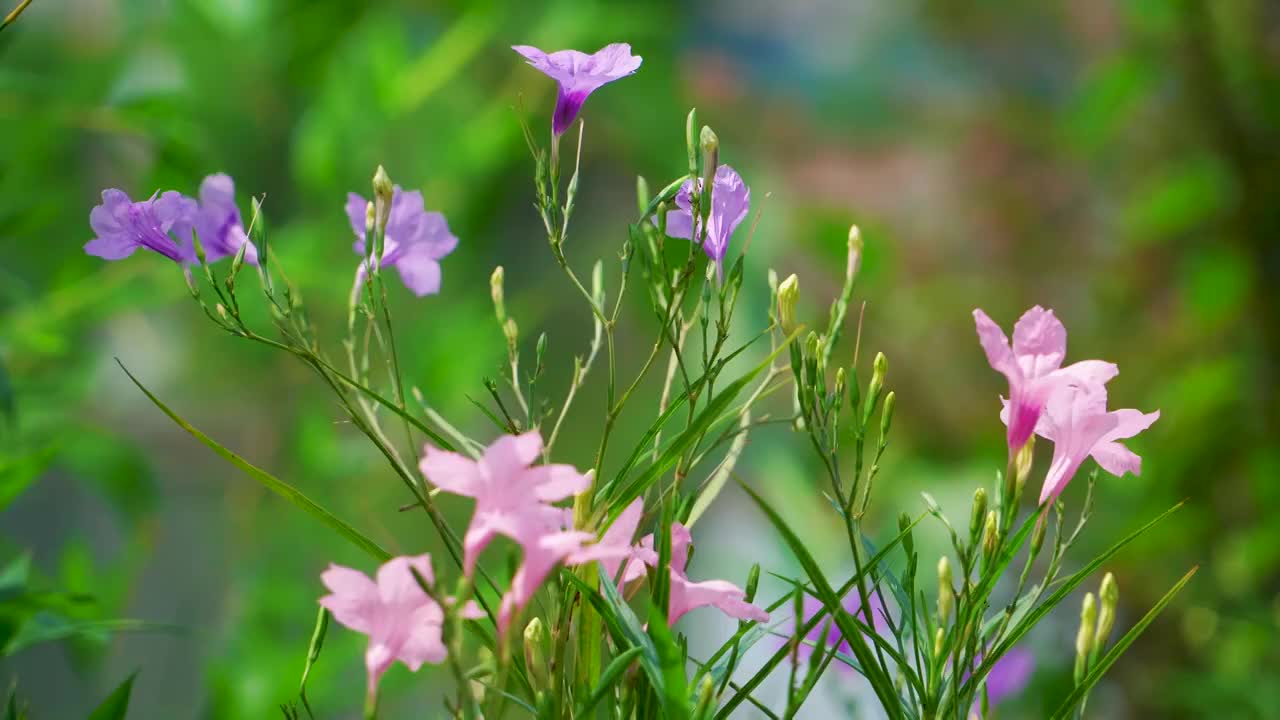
<point x="687" y="595"/>
<point x="1033" y="366"/>
<point x="513" y="498"/>
<point x="403" y="623"/>
<point x="1077" y="421"/>
<point x="615" y="546"/>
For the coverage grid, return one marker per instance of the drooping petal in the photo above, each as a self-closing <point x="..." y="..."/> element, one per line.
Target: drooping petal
<point x="419" y="272"/>
<point x="1114" y="457"/>
<point x="725" y="596"/>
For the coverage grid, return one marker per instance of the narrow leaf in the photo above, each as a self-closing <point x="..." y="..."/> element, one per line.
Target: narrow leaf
<point x="116" y="706"/>
<point x="608" y="679"/>
<point x="271" y="482"/>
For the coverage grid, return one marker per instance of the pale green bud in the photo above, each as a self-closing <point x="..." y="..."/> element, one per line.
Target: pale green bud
<point x="979" y="513"/>
<point x="511" y="331"/>
<point x="534" y="658"/>
<point x="1109" y="593"/>
<point x="498" y="294"/>
<point x="946" y="593"/>
<point x="710" y="156"/>
<point x="1084" y="638"/>
<point x="939" y="641"/>
<point x="854" y="262"/>
<point x="904" y="525"/>
<point x="990" y="534"/>
<point x="788" y="296"/>
<point x="886" y="415"/>
<point x="370" y="219"/>
<point x="383" y="190"/>
<point x="753" y="582"/>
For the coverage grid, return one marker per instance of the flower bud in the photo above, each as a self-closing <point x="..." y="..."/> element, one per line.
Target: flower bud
<point x="535" y="660"/>
<point x="499" y="296"/>
<point x="237" y="262"/>
<point x="878" y="369"/>
<point x="222" y="310"/>
<point x="840" y="385"/>
<point x="1022" y="468"/>
<point x="788" y="295"/>
<point x="370" y="219"/>
<point x="710" y="155"/>
<point x="198" y="247"/>
<point x="854" y="262"/>
<point x="939" y="638"/>
<point x="1037" y="535"/>
<point x="1109" y="594"/>
<point x="383" y="190"/>
<point x="946" y="594"/>
<point x="540" y="351"/>
<point x="1084" y="638"/>
<point x="813" y="349"/>
<point x="989" y="536"/>
<point x="753" y="582"/>
<point x="886" y="416"/>
<point x="904" y="526"/>
<point x="706" y="693"/>
<point x="979" y="514"/>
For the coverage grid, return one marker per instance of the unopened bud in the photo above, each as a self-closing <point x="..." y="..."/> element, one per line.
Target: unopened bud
<point x="904" y="528"/>
<point x="710" y="155"/>
<point x="939" y="640"/>
<point x="840" y="384"/>
<point x="989" y="536"/>
<point x="198" y="247"/>
<point x="878" y="369"/>
<point x="707" y="695"/>
<point x="1084" y="638"/>
<point x="979" y="514"/>
<point x="886" y="416"/>
<point x="370" y="219"/>
<point x="535" y="660"/>
<point x="788" y="296"/>
<point x="222" y="311"/>
<point x="1109" y="594"/>
<point x="540" y="350"/>
<point x="813" y="349"/>
<point x="237" y="262"/>
<point x="1037" y="535"/>
<point x="854" y="262"/>
<point x="499" y="296"/>
<point x="383" y="191"/>
<point x="753" y="582"/>
<point x="1022" y="467"/>
<point x="946" y="593"/>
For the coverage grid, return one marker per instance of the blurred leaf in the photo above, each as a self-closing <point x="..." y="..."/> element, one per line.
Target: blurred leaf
<point x="46" y="627"/>
<point x="272" y="483"/>
<point x="1184" y="197"/>
<point x="16" y="475"/>
<point x="8" y="410"/>
<point x="116" y="706"/>
<point x="675" y="693"/>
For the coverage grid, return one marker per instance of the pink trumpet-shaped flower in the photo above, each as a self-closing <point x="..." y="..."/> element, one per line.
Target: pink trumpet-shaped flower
<point x="730" y="203"/>
<point x="579" y="74"/>
<point x="403" y="623"/>
<point x="1077" y="421"/>
<point x="1033" y="366"/>
<point x="614" y="546"/>
<point x="513" y="496"/>
<point x="414" y="242"/>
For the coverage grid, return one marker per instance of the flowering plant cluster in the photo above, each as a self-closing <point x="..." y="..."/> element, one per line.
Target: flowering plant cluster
<point x="586" y="622"/>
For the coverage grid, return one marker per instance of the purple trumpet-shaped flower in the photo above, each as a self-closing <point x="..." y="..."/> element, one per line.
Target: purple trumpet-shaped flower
<point x="161" y="224"/>
<point x="1077" y="421"/>
<point x="579" y="74"/>
<point x="1033" y="366"/>
<point x="730" y="202"/>
<point x="403" y="623"/>
<point x="218" y="223"/>
<point x="1009" y="675"/>
<point x="415" y="240"/>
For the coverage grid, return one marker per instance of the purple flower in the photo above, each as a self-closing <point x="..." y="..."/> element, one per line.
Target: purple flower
<point x="853" y="605"/>
<point x="1007" y="677"/>
<point x="1033" y="366"/>
<point x="579" y="74"/>
<point x="730" y="201"/>
<point x="161" y="224"/>
<point x="218" y="223"/>
<point x="415" y="239"/>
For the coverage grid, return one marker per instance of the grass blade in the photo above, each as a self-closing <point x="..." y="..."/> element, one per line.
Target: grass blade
<point x="272" y="483"/>
<point x="608" y="679"/>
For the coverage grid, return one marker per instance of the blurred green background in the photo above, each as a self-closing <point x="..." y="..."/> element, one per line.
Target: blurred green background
<point x="1118" y="161"/>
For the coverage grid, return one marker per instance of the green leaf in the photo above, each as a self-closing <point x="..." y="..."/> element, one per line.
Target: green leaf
<point x="1106" y="661"/>
<point x="116" y="706"/>
<point x="8" y="408"/>
<point x="622" y="623"/>
<point x="47" y="627"/>
<point x="271" y="482"/>
<point x="612" y="673"/>
<point x="16" y="475"/>
<point x="880" y="682"/>
<point x="675" y="692"/>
